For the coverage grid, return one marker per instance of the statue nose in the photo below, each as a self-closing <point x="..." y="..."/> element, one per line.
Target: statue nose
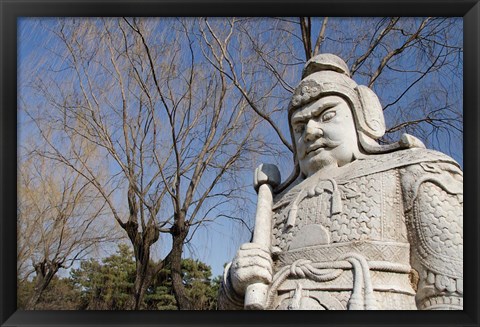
<point x="312" y="131"/>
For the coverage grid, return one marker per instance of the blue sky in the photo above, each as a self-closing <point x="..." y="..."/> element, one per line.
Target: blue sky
<point x="216" y="243"/>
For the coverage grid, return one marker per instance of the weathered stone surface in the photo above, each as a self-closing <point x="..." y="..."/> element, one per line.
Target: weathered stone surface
<point x="358" y="225"/>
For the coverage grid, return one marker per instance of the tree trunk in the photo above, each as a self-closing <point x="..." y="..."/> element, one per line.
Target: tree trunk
<point x="179" y="291"/>
<point x="142" y="280"/>
<point x="37" y="293"/>
<point x="44" y="274"/>
<point x="141" y="245"/>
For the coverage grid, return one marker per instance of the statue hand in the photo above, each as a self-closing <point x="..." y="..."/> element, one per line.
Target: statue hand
<point x="252" y="264"/>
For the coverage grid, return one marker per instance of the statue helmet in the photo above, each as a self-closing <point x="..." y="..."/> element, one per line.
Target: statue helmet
<point x="327" y="74"/>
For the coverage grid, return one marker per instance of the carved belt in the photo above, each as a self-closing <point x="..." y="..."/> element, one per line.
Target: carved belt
<point x="397" y="252"/>
<point x="362" y="289"/>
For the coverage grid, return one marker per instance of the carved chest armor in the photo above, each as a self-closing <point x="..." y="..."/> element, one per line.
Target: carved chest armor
<point x="335" y="211"/>
<point x="339" y="241"/>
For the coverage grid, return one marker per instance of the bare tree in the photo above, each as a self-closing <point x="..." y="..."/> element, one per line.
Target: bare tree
<point x="60" y="220"/>
<point x="168" y="125"/>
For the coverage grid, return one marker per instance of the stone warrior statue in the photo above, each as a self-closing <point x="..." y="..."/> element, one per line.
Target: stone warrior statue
<point x="358" y="225"/>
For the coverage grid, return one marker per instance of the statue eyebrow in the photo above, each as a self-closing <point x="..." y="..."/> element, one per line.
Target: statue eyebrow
<point x="299" y="118"/>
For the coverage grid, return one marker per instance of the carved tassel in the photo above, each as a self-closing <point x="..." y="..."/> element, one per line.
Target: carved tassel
<point x="336" y="198"/>
<point x="297" y="296"/>
<point x="336" y="203"/>
<point x="292" y="215"/>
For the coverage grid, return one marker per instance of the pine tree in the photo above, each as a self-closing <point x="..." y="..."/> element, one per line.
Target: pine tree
<point x="107" y="285"/>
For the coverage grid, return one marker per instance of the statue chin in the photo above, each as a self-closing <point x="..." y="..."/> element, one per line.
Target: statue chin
<point x="320" y="161"/>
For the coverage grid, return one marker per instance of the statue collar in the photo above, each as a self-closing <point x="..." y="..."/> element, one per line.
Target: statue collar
<point x="367" y="165"/>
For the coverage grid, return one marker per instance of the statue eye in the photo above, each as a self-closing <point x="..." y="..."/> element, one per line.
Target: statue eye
<point x="328" y="115"/>
<point x="299" y="128"/>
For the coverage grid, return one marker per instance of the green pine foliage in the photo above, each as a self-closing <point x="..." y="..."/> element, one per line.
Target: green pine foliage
<point x="198" y="282"/>
<point x="108" y="285"/>
<point x="197" y="277"/>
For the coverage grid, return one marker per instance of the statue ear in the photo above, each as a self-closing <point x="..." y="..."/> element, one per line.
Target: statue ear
<point x="371" y="119"/>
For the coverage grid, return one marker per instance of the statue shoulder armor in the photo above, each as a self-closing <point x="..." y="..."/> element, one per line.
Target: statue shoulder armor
<point x="434" y="167"/>
<point x="433" y="203"/>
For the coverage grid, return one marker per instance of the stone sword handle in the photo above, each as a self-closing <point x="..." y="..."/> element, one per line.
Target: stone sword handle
<point x="266" y="178"/>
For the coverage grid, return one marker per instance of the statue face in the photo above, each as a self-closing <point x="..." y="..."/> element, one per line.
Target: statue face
<point x="325" y="134"/>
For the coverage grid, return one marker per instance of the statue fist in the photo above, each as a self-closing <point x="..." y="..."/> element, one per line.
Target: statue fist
<point x="252" y="264"/>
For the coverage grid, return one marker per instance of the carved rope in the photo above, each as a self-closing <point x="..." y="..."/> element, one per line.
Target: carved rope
<point x="328" y="271"/>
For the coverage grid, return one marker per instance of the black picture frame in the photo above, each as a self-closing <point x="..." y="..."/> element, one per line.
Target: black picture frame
<point x="11" y="10"/>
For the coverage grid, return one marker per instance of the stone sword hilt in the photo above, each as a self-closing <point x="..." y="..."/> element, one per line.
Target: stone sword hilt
<point x="266" y="178"/>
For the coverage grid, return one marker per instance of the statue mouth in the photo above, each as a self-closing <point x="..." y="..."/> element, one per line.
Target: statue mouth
<point x="320" y="145"/>
<point x="314" y="148"/>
